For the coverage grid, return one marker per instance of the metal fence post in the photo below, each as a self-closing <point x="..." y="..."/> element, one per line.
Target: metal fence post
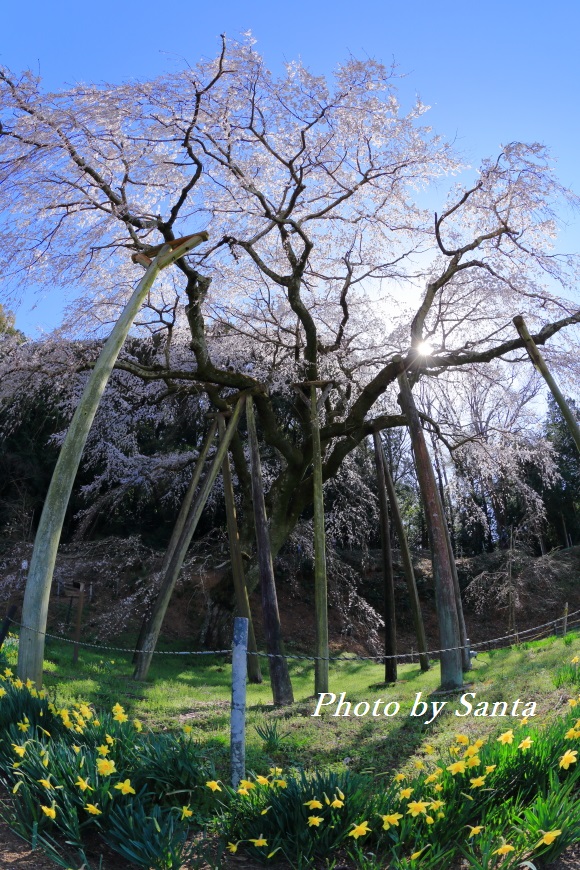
<point x="238" y="714"/>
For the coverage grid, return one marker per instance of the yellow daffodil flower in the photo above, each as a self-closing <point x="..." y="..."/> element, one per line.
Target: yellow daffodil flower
<point x="399" y="777"/>
<point x="121" y="717"/>
<point x="391" y="819"/>
<point x="477" y="781"/>
<point x="281" y="783"/>
<point x="137" y="725"/>
<point x="405" y="793"/>
<point x="245" y="783"/>
<point x="429" y="749"/>
<point x="490" y="767"/>
<point x="105" y="766"/>
<point x="416" y="808"/>
<point x="49" y="811"/>
<point x="83" y="784"/>
<point x="262" y="780"/>
<point x="419" y="764"/>
<point x="473" y="761"/>
<point x="526" y="743"/>
<point x="337" y="803"/>
<point x="233" y="847"/>
<point x="45" y="783"/>
<point x="103" y="749"/>
<point x="569" y="757"/>
<point x="549" y="838"/>
<point x="313" y="804"/>
<point x="462" y="739"/>
<point x="258" y="841"/>
<point x="118" y="709"/>
<point x="315" y="821"/>
<point x="93" y="810"/>
<point x="504" y="850"/>
<point x="474" y="830"/>
<point x="186" y="813"/>
<point x="214" y="785"/>
<point x="506" y="737"/>
<point x="359" y="830"/>
<point x="436" y="805"/>
<point x="456" y="767"/>
<point x="125" y="787"/>
<point x="19" y="750"/>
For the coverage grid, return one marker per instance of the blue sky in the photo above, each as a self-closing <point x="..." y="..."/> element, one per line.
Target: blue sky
<point x="493" y="72"/>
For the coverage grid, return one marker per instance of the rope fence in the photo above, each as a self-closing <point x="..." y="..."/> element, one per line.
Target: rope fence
<point x="518" y="636"/>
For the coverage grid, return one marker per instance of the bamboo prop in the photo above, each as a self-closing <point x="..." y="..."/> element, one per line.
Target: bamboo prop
<point x="451" y="668"/>
<point x="540" y="364"/>
<point x="388" y="579"/>
<point x="408" y="569"/>
<point x="279" y="675"/>
<point x="150" y="631"/>
<point x="242" y="599"/>
<point x="465" y="651"/>
<point x="37" y="592"/>
<point x="175" y="563"/>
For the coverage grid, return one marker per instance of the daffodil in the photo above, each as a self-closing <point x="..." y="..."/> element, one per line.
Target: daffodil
<point x="93" y="809"/>
<point x="137" y="725"/>
<point x="243" y="791"/>
<point x="24" y="725"/>
<point x="258" y="841"/>
<point x="399" y="777"/>
<point x="19" y="750"/>
<point x="103" y="749"/>
<point x="456" y="767"/>
<point x="105" y="766"/>
<point x="504" y="850"/>
<point x="49" y="811"/>
<point x="313" y="804"/>
<point x="232" y="847"/>
<point x="506" y="737"/>
<point x="430" y="820"/>
<point x="419" y="764"/>
<point x="337" y="803"/>
<point x="405" y="793"/>
<point x="436" y="805"/>
<point x="187" y="729"/>
<point x="281" y="783"/>
<point x="477" y="781"/>
<point x="45" y="783"/>
<point x="526" y="743"/>
<point x="416" y="808"/>
<point x="118" y="709"/>
<point x="125" y="787"/>
<point x="276" y="771"/>
<point x="121" y="717"/>
<point x="391" y="819"/>
<point x="315" y="821"/>
<point x="463" y="739"/>
<point x="245" y="783"/>
<point x="359" y="830"/>
<point x="186" y="813"/>
<point x="262" y="780"/>
<point x="418" y="854"/>
<point x="473" y="761"/>
<point x="214" y="785"/>
<point x="490" y="767"/>
<point x="569" y="757"/>
<point x="474" y="830"/>
<point x="83" y="784"/>
<point x="429" y="749"/>
<point x="549" y="838"/>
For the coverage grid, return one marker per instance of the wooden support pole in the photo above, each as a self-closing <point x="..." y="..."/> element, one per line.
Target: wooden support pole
<point x="238" y="709"/>
<point x="320" y="579"/>
<point x="450" y="641"/>
<point x="37" y="592"/>
<point x="78" y="623"/>
<point x="540" y="364"/>
<point x="178" y="555"/>
<point x="388" y="579"/>
<point x="241" y="591"/>
<point x="408" y="569"/>
<point x="465" y="657"/>
<point x="149" y="633"/>
<point x="279" y="675"/>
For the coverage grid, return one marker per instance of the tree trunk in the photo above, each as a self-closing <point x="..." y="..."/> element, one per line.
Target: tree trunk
<point x="320" y="581"/>
<point x="388" y="579"/>
<point x="465" y="657"/>
<point x="279" y="676"/>
<point x="408" y="569"/>
<point x="175" y="561"/>
<point x="451" y="671"/>
<point x="242" y="600"/>
<point x="37" y="592"/>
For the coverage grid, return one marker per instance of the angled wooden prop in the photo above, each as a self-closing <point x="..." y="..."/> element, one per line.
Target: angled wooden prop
<point x="37" y="593"/>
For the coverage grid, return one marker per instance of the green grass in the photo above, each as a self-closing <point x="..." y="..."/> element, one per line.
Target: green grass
<point x="196" y="690"/>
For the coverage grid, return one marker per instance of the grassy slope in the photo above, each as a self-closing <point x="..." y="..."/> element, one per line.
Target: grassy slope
<point x="195" y="690"/>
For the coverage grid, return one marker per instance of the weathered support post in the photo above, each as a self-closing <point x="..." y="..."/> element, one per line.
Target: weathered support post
<point x="388" y="579"/>
<point x="540" y="364"/>
<point x="79" y="622"/>
<point x="279" y="676"/>
<point x="242" y="600"/>
<point x="238" y="711"/>
<point x="451" y="669"/>
<point x="147" y="637"/>
<point x="465" y="657"/>
<point x="565" y="621"/>
<point x="320" y="579"/>
<point x="178" y="555"/>
<point x="408" y="569"/>
<point x="37" y="592"/>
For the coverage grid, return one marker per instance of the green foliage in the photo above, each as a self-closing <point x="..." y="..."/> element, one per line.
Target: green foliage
<point x="270" y="734"/>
